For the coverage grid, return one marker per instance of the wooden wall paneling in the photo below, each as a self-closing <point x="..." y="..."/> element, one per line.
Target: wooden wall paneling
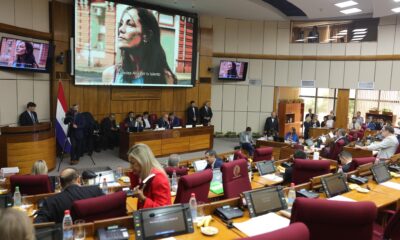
<point x="128" y="106"/>
<point x="180" y="100"/>
<point x="76" y="96"/>
<point x="60" y="70"/>
<point x="11" y="29"/>
<point x="103" y="100"/>
<point x="342" y="108"/>
<point x="192" y="94"/>
<point x="90" y="99"/>
<point x="204" y="93"/>
<point x="204" y="65"/>
<point x="61" y="21"/>
<point x="167" y="99"/>
<point x="116" y="107"/>
<point x="154" y="107"/>
<point x="206" y="42"/>
<point x="128" y="93"/>
<point x="141" y="106"/>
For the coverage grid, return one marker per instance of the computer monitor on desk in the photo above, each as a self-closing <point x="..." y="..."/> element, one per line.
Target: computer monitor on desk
<point x="163" y="222"/>
<point x="265" y="200"/>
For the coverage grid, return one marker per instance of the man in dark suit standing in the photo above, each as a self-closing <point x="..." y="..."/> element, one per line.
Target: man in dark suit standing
<point x="206" y="114"/>
<point x="163" y="122"/>
<point x="310" y="114"/>
<point x="271" y="127"/>
<point x="53" y="207"/>
<point x="29" y="117"/>
<point x="109" y="130"/>
<point x="192" y="114"/>
<point x="76" y="134"/>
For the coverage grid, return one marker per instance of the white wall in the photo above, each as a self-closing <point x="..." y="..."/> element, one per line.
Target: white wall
<point x="18" y="88"/>
<point x="241" y="104"/>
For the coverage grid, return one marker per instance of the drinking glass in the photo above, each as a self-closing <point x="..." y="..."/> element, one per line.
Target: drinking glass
<point x="57" y="185"/>
<point x="79" y="230"/>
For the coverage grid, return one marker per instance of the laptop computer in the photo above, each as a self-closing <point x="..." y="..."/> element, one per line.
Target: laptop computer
<point x="381" y="173"/>
<point x="335" y="185"/>
<point x="199" y="165"/>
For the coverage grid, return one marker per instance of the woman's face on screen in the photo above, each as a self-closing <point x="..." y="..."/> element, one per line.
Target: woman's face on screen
<point x="130" y="30"/>
<point x="21" y="48"/>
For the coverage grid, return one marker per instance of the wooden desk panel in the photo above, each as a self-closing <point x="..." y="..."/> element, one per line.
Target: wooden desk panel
<point x="169" y="141"/>
<point x="276" y="147"/>
<point x="357" y="153"/>
<point x="317" y="132"/>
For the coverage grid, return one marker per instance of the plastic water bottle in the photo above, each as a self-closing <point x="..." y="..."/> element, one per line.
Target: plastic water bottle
<point x="291" y="195"/>
<point x="17" y="197"/>
<point x="193" y="207"/>
<point x="174" y="182"/>
<point x="104" y="186"/>
<point x="67" y="226"/>
<point x="340" y="169"/>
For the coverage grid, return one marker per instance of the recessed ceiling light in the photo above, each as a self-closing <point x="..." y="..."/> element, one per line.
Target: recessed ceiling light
<point x="359" y="33"/>
<point x="346" y="4"/>
<point x="359" y="36"/>
<point x="359" y="30"/>
<point x="396" y="0"/>
<point x="351" y="10"/>
<point x="396" y="10"/>
<point x="312" y="37"/>
<point x="342" y="33"/>
<point x="300" y="40"/>
<point x="337" y="36"/>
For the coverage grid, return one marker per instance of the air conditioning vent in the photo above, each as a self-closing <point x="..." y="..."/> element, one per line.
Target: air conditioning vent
<point x="366" y="85"/>
<point x="308" y="83"/>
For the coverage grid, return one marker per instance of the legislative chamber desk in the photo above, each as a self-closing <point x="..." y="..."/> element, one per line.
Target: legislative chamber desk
<point x="276" y="146"/>
<point x="169" y="141"/>
<point x="317" y="132"/>
<point x="22" y="146"/>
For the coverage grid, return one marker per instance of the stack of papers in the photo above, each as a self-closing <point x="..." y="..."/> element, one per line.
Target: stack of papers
<point x="272" y="177"/>
<point x="392" y="185"/>
<point x="262" y="224"/>
<point x="341" y="198"/>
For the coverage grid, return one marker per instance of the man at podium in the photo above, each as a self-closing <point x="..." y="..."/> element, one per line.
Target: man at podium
<point x="29" y="117"/>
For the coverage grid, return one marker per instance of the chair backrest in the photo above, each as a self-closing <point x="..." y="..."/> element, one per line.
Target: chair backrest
<point x="180" y="171"/>
<point x="197" y="183"/>
<point x="262" y="154"/>
<point x="360" y="161"/>
<point x="337" y="149"/>
<point x="304" y="170"/>
<point x="235" y="178"/>
<point x="31" y="184"/>
<point x="239" y="155"/>
<point x="392" y="230"/>
<point x="397" y="150"/>
<point x="330" y="220"/>
<point x="153" y="119"/>
<point x="298" y="147"/>
<point x="122" y="127"/>
<point x="297" y="231"/>
<point x="98" y="208"/>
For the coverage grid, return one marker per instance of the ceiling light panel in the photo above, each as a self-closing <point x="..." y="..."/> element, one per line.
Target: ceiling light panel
<point x="346" y="4"/>
<point x="351" y="10"/>
<point x="396" y="10"/>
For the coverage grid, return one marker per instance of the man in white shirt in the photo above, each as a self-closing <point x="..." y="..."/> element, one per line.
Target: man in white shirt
<point x="329" y="122"/>
<point x="146" y="121"/>
<point x="360" y="119"/>
<point x="354" y="125"/>
<point x="387" y="147"/>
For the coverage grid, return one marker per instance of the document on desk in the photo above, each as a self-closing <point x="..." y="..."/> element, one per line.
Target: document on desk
<point x="262" y="224"/>
<point x="341" y="198"/>
<point x="392" y="185"/>
<point x="272" y="177"/>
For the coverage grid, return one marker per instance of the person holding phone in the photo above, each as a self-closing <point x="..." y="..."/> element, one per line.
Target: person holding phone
<point x="149" y="181"/>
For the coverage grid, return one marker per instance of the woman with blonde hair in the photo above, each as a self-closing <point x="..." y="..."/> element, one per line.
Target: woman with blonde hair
<point x="149" y="181"/>
<point x="15" y="225"/>
<point x="39" y="168"/>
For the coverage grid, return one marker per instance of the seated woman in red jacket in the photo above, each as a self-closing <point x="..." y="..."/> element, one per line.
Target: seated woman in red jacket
<point x="152" y="188"/>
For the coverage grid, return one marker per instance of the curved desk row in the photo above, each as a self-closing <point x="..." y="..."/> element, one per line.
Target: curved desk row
<point x="22" y="146"/>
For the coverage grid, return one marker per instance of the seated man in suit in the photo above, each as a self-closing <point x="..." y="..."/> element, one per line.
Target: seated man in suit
<point x="163" y="122"/>
<point x="146" y="121"/>
<point x="130" y="121"/>
<point x="271" y="127"/>
<point x="138" y="125"/>
<point x="345" y="160"/>
<point x="173" y="120"/>
<point x="206" y="114"/>
<point x="370" y="123"/>
<point x="213" y="160"/>
<point x="52" y="209"/>
<point x="287" y="176"/>
<point x="29" y="117"/>
<point x="246" y="141"/>
<point x="109" y="130"/>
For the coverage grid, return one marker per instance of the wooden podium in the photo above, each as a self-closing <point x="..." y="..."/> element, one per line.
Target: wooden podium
<point x="22" y="146"/>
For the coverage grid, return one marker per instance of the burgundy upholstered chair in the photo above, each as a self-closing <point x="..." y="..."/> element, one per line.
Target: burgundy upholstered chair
<point x="392" y="229"/>
<point x="297" y="231"/>
<point x="336" y="150"/>
<point x="304" y="170"/>
<point x="123" y="126"/>
<point x="360" y="161"/>
<point x="180" y="171"/>
<point x="262" y="154"/>
<point x="107" y="206"/>
<point x="31" y="184"/>
<point x="153" y="120"/>
<point x="239" y="155"/>
<point x="235" y="178"/>
<point x="397" y="150"/>
<point x="331" y="220"/>
<point x="298" y="147"/>
<point x="197" y="183"/>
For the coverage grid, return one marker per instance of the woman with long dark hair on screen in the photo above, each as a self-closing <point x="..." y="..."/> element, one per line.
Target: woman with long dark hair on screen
<point x="232" y="72"/>
<point x="143" y="58"/>
<point x="24" y="54"/>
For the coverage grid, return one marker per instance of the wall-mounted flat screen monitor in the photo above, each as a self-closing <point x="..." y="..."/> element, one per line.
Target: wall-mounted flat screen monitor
<point x="127" y="43"/>
<point x="25" y="55"/>
<point x="231" y="70"/>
